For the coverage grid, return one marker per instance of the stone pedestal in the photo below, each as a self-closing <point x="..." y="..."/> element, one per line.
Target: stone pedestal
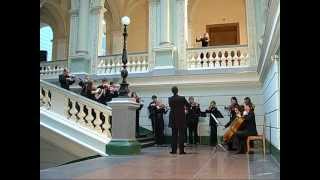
<point x="123" y="140"/>
<point x="164" y="57"/>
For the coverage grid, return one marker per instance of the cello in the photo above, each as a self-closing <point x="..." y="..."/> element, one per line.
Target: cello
<point x="235" y="126"/>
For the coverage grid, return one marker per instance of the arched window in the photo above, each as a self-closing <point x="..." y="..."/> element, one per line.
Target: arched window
<point x="46" y="37"/>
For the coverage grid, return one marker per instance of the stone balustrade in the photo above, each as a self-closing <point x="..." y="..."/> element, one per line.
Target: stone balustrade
<point x="217" y="57"/>
<point x="137" y="63"/>
<point x="85" y="112"/>
<point x="52" y="68"/>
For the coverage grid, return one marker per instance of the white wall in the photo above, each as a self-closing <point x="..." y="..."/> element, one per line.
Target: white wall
<point x="271" y="102"/>
<point x="221" y="94"/>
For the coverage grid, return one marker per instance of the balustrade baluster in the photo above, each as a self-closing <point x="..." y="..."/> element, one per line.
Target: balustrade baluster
<point x="41" y="96"/>
<point x="106" y="125"/>
<point x="139" y="64"/>
<point x="118" y="67"/>
<point x="145" y="63"/>
<point x="67" y="108"/>
<point x="73" y="111"/>
<point x="81" y="115"/>
<point x="90" y="118"/>
<point x="46" y="98"/>
<point x="97" y="122"/>
<point x="108" y="68"/>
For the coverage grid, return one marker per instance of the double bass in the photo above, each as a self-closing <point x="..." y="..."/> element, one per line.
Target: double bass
<point x="234" y="127"/>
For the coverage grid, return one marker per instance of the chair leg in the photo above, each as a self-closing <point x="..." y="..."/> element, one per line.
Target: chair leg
<point x="248" y="146"/>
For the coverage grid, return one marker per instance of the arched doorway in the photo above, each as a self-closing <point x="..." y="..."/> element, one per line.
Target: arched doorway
<point x="46" y="44"/>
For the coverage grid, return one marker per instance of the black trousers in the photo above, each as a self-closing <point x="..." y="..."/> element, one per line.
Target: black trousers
<point x="178" y="135"/>
<point x="193" y="132"/>
<point x="213" y="135"/>
<point x="240" y="138"/>
<point x="152" y="124"/>
<point x="159" y="131"/>
<point x="137" y="126"/>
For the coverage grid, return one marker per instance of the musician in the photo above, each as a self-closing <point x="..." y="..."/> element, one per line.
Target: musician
<point x="114" y="90"/>
<point x="103" y="92"/>
<point x="66" y="79"/>
<point x="193" y="114"/>
<point x="137" y="99"/>
<point x="160" y="109"/>
<point x="248" y="100"/>
<point x="231" y="109"/>
<point x="91" y="90"/>
<point x="212" y="123"/>
<point x="152" y="108"/>
<point x="204" y="40"/>
<point x="248" y="128"/>
<point x="177" y="120"/>
<point x="83" y="84"/>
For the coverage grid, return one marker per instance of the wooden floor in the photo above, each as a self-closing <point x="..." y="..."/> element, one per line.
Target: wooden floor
<point x="201" y="162"/>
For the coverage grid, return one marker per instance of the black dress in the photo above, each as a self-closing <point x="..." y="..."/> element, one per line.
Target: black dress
<point x="152" y="115"/>
<point x="213" y="125"/>
<point x="192" y="122"/>
<point x="137" y="118"/>
<point x="159" y="125"/>
<point x="248" y="129"/>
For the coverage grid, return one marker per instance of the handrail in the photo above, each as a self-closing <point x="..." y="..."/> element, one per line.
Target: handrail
<point x="119" y="54"/>
<point x="218" y="47"/>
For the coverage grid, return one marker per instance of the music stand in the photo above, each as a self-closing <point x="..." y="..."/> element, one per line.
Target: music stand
<point x="218" y="145"/>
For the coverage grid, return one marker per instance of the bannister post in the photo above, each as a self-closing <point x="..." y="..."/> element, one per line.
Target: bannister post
<point x="123" y="140"/>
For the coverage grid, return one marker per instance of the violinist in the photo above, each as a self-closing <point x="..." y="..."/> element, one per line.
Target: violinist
<point x="103" y="92"/>
<point x="248" y="100"/>
<point x="231" y="109"/>
<point x="248" y="128"/>
<point x="193" y="114"/>
<point x="212" y="123"/>
<point x="160" y="109"/>
<point x="152" y="108"/>
<point x="83" y="84"/>
<point x="137" y="99"/>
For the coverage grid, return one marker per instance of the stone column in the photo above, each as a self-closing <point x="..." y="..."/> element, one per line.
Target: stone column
<point x="97" y="11"/>
<point x="182" y="33"/>
<point x="82" y="47"/>
<point x="152" y="31"/>
<point x="61" y="48"/>
<point x="79" y="60"/>
<point x="123" y="140"/>
<point x="73" y="35"/>
<point x="116" y="41"/>
<point x="164" y="52"/>
<point x="165" y="22"/>
<point x="251" y="31"/>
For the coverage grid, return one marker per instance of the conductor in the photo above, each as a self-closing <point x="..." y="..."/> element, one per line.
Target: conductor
<point x="177" y="120"/>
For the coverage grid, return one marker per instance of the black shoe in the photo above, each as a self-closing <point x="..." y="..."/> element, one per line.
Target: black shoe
<point x="232" y="149"/>
<point x="182" y="153"/>
<point x="173" y="152"/>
